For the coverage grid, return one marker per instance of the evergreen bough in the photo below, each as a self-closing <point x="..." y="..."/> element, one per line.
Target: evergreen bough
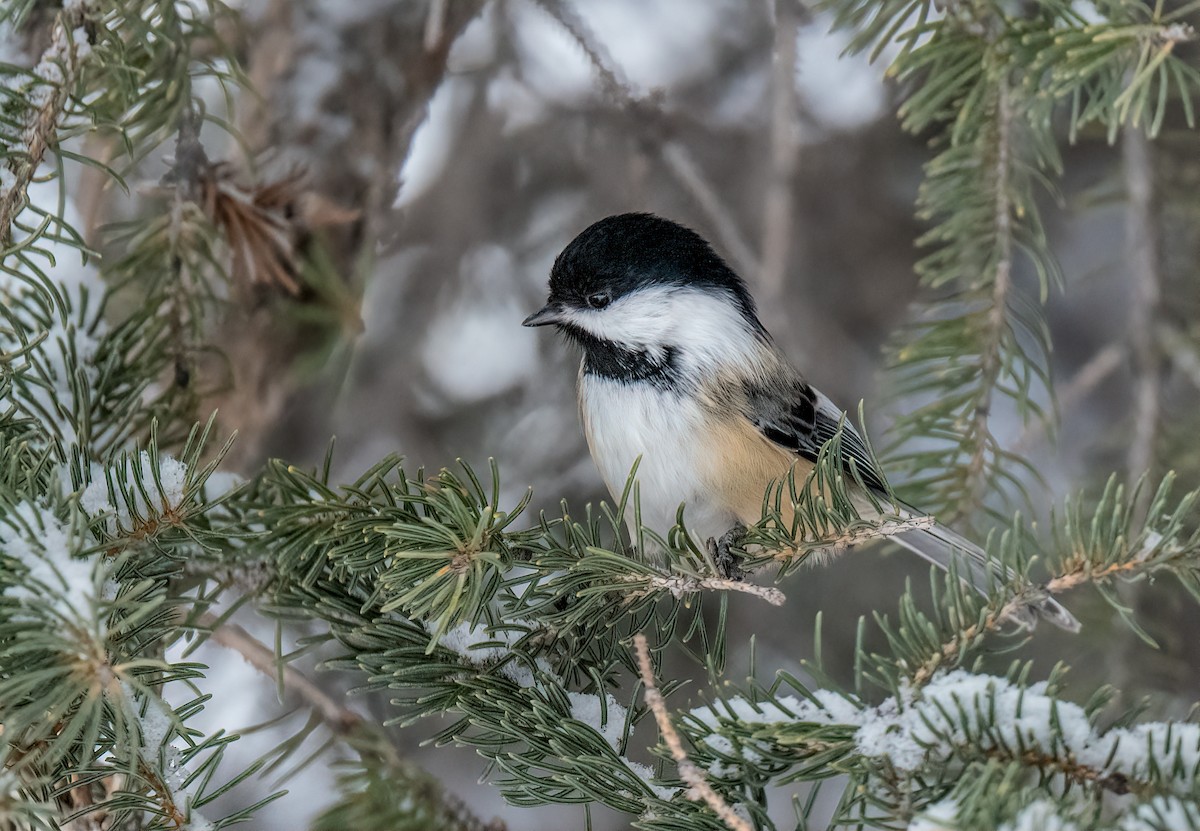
<point x="542" y="637"/>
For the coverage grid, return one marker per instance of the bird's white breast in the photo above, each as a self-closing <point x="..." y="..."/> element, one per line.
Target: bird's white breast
<point x="667" y="430"/>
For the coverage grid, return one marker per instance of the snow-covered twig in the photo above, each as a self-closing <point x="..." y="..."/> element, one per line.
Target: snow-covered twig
<point x="56" y="72"/>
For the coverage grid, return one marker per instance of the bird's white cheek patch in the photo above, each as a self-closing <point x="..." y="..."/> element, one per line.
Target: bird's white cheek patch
<point x="706" y="328"/>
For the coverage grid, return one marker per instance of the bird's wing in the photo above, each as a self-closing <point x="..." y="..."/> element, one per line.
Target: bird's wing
<point x="802" y="419"/>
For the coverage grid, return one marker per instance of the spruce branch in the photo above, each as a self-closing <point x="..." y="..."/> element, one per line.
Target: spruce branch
<point x="1094" y="548"/>
<point x="991" y="80"/>
<point x="53" y="81"/>
<point x="980" y="437"/>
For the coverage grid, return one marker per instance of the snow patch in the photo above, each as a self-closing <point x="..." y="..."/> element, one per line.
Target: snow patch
<point x="940" y="816"/>
<point x="475" y="349"/>
<point x="842" y="92"/>
<point x="607" y="720"/>
<point x="46" y="547"/>
<point x="1042" y="815"/>
<point x="645" y="773"/>
<point x="97" y="499"/>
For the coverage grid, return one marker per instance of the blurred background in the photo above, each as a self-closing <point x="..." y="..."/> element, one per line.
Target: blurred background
<point x="449" y="149"/>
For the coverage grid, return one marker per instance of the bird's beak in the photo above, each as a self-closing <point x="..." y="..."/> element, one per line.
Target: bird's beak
<point x="551" y="313"/>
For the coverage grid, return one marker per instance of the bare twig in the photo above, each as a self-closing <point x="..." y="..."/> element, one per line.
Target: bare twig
<point x="682" y="165"/>
<point x="346" y="723"/>
<point x="435" y="25"/>
<point x="779" y="204"/>
<point x="1141" y="245"/>
<point x="56" y="71"/>
<point x="1182" y="352"/>
<point x="679" y="160"/>
<point x="698" y="787"/>
<point x="612" y="80"/>
<point x="1090" y="375"/>
<point x="341" y="720"/>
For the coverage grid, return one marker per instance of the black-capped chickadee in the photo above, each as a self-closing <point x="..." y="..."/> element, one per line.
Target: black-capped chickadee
<point x="678" y="370"/>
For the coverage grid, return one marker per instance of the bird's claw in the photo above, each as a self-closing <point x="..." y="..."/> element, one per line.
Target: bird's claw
<point x="727" y="561"/>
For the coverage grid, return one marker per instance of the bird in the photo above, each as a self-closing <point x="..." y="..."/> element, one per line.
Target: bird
<point x="679" y="375"/>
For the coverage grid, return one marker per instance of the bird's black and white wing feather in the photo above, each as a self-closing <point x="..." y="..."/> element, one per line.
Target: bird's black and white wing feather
<point x="802" y="419"/>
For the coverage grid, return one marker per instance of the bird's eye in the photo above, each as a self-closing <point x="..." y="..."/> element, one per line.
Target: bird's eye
<point x="598" y="300"/>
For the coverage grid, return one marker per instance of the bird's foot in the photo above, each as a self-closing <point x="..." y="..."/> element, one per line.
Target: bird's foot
<point x="728" y="561"/>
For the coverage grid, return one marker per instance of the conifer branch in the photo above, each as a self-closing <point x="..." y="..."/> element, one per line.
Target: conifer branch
<point x="952" y="650"/>
<point x="54" y="78"/>
<point x="838" y="541"/>
<point x="995" y="326"/>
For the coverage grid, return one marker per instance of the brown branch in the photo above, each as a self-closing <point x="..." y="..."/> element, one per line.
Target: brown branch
<point x="680" y="162"/>
<point x="779" y="204"/>
<point x="1078" y="570"/>
<point x="346" y="724"/>
<point x="338" y="718"/>
<point x="698" y="787"/>
<point x="682" y="165"/>
<point x="1141" y="246"/>
<point x="1083" y="572"/>
<point x="435" y="25"/>
<point x="57" y="71"/>
<point x="1116" y="783"/>
<point x="967" y="638"/>
<point x="858" y="536"/>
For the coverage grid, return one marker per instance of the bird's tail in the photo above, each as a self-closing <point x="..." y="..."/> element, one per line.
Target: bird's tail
<point x="941" y="546"/>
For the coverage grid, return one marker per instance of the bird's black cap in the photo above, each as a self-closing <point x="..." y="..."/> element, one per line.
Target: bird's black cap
<point x="626" y="252"/>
